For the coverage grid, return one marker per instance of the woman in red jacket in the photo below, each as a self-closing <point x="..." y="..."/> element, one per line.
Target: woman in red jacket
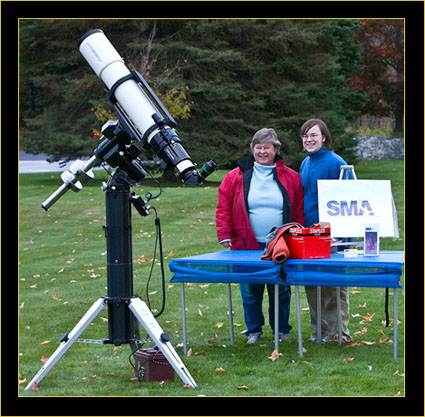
<point x="259" y="194"/>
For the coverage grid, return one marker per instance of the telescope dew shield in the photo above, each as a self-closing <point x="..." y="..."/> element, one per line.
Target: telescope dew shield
<point x="109" y="67"/>
<point x="137" y="104"/>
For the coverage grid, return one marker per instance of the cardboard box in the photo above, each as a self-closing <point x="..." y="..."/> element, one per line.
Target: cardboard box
<point x="311" y="242"/>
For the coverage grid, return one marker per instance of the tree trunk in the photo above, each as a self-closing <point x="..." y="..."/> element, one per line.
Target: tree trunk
<point x="399" y="119"/>
<point x="168" y="176"/>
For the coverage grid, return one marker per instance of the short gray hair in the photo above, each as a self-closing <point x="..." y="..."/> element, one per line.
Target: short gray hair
<point x="266" y="135"/>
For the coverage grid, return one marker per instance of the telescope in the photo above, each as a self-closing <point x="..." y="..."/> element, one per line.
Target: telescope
<point x="143" y="122"/>
<point x="136" y="105"/>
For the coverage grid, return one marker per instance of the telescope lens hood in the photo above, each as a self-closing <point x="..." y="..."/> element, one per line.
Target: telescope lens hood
<point x="89" y="33"/>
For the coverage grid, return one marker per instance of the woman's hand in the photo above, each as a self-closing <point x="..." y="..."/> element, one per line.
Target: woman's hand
<point x="227" y="244"/>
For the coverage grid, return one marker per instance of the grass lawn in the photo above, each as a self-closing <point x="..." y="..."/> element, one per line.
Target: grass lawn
<point x="62" y="272"/>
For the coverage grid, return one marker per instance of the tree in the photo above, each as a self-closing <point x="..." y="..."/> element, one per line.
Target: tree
<point x="248" y="74"/>
<point x="231" y="76"/>
<point x="61" y="103"/>
<point x="381" y="75"/>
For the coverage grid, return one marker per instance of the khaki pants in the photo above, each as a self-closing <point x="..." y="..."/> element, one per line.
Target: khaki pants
<point x="329" y="312"/>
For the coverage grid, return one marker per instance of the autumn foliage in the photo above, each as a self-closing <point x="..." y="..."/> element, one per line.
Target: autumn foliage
<point x="381" y="75"/>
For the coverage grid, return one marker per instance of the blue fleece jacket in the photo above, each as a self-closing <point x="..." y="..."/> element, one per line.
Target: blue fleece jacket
<point x="321" y="165"/>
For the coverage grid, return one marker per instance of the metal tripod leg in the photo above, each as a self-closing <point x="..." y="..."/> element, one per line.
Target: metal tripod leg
<point x="92" y="312"/>
<point x="148" y="321"/>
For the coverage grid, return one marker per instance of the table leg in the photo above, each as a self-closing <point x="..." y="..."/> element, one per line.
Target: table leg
<point x="276" y="316"/>
<point x="338" y="312"/>
<point x="229" y="298"/>
<point x="319" y="315"/>
<point x="300" y="341"/>
<point x="183" y="303"/>
<point x="395" y="323"/>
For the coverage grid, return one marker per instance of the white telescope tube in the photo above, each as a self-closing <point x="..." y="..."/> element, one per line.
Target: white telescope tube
<point x="109" y="67"/>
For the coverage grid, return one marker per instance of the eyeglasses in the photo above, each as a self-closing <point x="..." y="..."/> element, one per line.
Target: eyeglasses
<point x="312" y="136"/>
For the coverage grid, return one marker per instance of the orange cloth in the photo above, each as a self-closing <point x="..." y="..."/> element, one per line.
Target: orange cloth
<point x="277" y="249"/>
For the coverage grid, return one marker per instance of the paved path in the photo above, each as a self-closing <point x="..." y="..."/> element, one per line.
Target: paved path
<point x="30" y="164"/>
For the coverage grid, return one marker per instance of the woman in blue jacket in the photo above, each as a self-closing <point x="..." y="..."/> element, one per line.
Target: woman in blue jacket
<point x="324" y="164"/>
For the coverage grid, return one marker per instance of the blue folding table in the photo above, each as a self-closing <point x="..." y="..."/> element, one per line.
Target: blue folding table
<point x="228" y="267"/>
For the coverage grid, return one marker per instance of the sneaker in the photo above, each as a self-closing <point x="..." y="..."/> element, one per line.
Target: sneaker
<point x="253" y="338"/>
<point x="283" y="336"/>
<point x="345" y="339"/>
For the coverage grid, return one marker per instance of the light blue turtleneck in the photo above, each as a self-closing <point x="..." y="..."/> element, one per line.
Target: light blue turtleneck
<point x="265" y="201"/>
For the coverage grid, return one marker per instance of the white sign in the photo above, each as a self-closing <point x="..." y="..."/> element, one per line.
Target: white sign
<point x="348" y="205"/>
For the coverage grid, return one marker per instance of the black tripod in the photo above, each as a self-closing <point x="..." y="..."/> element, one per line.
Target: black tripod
<point x="125" y="310"/>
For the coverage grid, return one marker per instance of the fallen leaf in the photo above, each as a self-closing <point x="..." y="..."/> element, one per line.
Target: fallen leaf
<point x="187" y="386"/>
<point x="199" y="312"/>
<point x="355" y="344"/>
<point x="355" y="292"/>
<point x="219" y="369"/>
<point x="348" y="359"/>
<point x="35" y="387"/>
<point x="219" y="324"/>
<point x="243" y="387"/>
<point x="46" y="342"/>
<point x="369" y="368"/>
<point x="368" y="343"/>
<point x="43" y="359"/>
<point x="275" y="355"/>
<point x="369" y="317"/>
<point x="189" y="353"/>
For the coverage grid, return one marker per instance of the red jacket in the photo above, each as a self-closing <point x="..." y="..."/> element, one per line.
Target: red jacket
<point x="232" y="218"/>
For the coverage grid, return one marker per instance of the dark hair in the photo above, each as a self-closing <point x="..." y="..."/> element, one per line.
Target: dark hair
<point x="327" y="144"/>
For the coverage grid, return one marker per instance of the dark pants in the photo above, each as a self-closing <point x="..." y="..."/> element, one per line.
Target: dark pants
<point x="252" y="300"/>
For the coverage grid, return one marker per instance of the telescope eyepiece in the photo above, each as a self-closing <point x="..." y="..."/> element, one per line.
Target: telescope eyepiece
<point x="207" y="169"/>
